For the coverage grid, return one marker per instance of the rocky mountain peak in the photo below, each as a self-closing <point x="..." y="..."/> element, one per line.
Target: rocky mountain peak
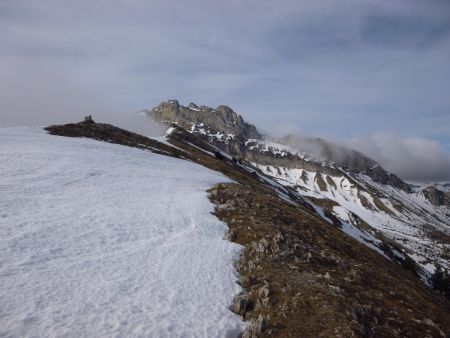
<point x="222" y="120"/>
<point x="228" y="131"/>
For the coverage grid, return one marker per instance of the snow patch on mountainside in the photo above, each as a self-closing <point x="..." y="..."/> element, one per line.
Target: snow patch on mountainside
<point x="275" y="148"/>
<point x="407" y="227"/>
<point x="98" y="240"/>
<point x="202" y="129"/>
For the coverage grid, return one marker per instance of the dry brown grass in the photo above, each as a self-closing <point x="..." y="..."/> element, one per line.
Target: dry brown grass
<point x="328" y="285"/>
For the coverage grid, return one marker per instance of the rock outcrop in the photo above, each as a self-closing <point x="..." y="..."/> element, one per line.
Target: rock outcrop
<point x="382" y="176"/>
<point x="222" y="120"/>
<point x="436" y="196"/>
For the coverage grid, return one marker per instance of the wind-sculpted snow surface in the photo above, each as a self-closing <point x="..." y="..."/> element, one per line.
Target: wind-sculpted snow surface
<point x="103" y="240"/>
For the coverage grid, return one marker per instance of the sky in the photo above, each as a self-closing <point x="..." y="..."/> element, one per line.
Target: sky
<point x="371" y="74"/>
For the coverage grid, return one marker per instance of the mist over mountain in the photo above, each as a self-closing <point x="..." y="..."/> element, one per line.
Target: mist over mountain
<point x="413" y="159"/>
<point x="321" y="149"/>
<point x="417" y="160"/>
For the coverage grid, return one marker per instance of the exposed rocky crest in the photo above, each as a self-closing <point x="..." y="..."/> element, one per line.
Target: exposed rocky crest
<point x="109" y="133"/>
<point x="221" y="120"/>
<point x="382" y="176"/>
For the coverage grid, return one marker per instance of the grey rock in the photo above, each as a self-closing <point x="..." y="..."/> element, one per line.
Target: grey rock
<point x="241" y="304"/>
<point x="222" y="119"/>
<point x="260" y="246"/>
<point x="264" y="291"/>
<point x="436" y="196"/>
<point x="259" y="325"/>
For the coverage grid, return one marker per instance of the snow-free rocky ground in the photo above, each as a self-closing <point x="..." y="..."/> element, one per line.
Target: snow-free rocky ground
<point x="99" y="239"/>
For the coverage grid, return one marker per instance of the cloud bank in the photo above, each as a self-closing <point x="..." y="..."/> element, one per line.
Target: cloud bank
<point x="413" y="159"/>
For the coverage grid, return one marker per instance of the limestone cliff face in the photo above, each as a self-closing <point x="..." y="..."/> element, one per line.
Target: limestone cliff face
<point x="221" y="120"/>
<point x="228" y="131"/>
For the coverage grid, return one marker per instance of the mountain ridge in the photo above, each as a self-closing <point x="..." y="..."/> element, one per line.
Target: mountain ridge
<point x="224" y="122"/>
<point x="363" y="193"/>
<point x="303" y="272"/>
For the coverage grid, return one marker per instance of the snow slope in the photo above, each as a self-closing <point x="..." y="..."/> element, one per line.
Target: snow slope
<point x="98" y="239"/>
<point x="408" y="226"/>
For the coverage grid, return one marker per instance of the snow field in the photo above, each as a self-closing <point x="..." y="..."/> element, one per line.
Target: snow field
<point x="98" y="239"/>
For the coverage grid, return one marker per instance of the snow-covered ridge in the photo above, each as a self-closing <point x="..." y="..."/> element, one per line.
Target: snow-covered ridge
<point x="99" y="239"/>
<point x="401" y="216"/>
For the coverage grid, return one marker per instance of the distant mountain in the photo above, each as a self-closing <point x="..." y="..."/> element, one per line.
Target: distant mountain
<point x="347" y="184"/>
<point x="325" y="150"/>
<point x="222" y="119"/>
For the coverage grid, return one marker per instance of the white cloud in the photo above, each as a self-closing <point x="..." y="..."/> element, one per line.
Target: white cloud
<point x="414" y="159"/>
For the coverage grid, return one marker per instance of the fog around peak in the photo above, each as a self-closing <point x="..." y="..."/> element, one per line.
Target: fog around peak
<point x="415" y="159"/>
